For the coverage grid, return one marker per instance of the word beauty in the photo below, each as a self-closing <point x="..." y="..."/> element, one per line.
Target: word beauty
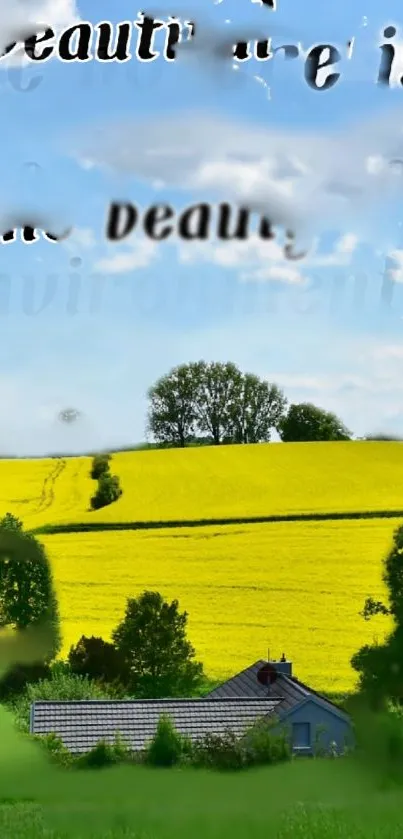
<point x="194" y="223"/>
<point x="29" y="235"/>
<point x="77" y="44"/>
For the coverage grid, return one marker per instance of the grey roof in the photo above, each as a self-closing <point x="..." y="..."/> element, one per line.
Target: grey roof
<point x="81" y="724"/>
<point x="290" y="689"/>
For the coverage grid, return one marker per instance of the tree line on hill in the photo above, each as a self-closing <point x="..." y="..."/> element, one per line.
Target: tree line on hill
<point x="215" y="403"/>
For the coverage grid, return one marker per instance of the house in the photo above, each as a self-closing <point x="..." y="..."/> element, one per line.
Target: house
<point x="82" y="724"/>
<point x="265" y="689"/>
<point x="314" y="720"/>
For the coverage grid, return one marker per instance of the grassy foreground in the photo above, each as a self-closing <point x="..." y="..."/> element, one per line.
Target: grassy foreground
<point x="306" y="799"/>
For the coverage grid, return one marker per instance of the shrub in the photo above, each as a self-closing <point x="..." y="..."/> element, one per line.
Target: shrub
<point x="167" y="746"/>
<point x="61" y="686"/>
<point x="97" y="659"/>
<point x="220" y="751"/>
<point x="258" y="746"/>
<point x="56" y="749"/>
<point x="18" y="677"/>
<point x="10" y="522"/>
<point x="263" y="746"/>
<point x="101" y="755"/>
<point x="108" y="491"/>
<point x="104" y="754"/>
<point x="100" y="466"/>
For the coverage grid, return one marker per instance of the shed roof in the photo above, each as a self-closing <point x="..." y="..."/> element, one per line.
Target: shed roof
<point x="81" y="724"/>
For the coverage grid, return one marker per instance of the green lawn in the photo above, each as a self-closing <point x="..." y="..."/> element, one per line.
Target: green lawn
<point x="305" y="799"/>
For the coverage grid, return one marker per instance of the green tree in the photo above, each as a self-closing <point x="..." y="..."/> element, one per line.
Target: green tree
<point x="10" y="522"/>
<point x="172" y="406"/>
<point x="380" y="666"/>
<point x="100" y="465"/>
<point x="97" y="659"/>
<point x="305" y="422"/>
<point x="259" y="408"/>
<point x="166" y="747"/>
<point x="27" y="595"/>
<point x="152" y="640"/>
<point x="215" y="402"/>
<point x="218" y="400"/>
<point x="108" y="491"/>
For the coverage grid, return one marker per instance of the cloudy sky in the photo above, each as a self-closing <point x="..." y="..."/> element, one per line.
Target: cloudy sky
<point x="90" y="325"/>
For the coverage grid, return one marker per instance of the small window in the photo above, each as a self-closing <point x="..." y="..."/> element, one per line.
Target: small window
<point x="301" y="735"/>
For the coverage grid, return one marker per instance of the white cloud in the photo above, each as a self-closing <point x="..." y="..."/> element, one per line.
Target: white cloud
<point x="341" y="254"/>
<point x="306" y="180"/>
<point x="80" y="238"/>
<point x="280" y="273"/>
<point x="139" y="254"/>
<point x="263" y="260"/>
<point x="396" y="273"/>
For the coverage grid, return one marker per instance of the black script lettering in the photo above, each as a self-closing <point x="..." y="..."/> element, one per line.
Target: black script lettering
<point x="289" y="248"/>
<point x="83" y="32"/>
<point x="122" y="44"/>
<point x="113" y="230"/>
<point x="147" y="26"/>
<point x="266" y="229"/>
<point x="174" y="36"/>
<point x="51" y="237"/>
<point x="8" y="49"/>
<point x="313" y="64"/>
<point x="31" y="43"/>
<point x="9" y="236"/>
<point x="200" y="213"/>
<point x="29" y="234"/>
<point x="388" y="54"/>
<point x="157" y="215"/>
<point x="224" y="216"/>
<point x="241" y="51"/>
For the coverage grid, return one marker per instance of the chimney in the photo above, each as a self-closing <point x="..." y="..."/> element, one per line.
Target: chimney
<point x="282" y="666"/>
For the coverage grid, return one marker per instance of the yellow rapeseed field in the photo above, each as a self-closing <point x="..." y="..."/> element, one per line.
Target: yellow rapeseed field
<point x="42" y="491"/>
<point x="210" y="482"/>
<point x="296" y="587"/>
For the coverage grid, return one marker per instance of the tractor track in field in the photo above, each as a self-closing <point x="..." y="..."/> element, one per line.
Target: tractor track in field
<point x="94" y="527"/>
<point x="48" y="488"/>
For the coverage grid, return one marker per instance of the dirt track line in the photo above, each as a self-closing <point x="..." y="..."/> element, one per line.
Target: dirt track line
<point x="48" y="488"/>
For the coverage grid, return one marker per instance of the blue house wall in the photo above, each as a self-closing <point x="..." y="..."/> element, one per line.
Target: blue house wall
<point x="317" y="727"/>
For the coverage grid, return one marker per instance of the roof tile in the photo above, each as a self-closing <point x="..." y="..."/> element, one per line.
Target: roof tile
<point x="81" y="724"/>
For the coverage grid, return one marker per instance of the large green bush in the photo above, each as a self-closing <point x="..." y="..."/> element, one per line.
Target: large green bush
<point x="109" y="490"/>
<point x="61" y="686"/>
<point x="167" y="746"/>
<point x="99" y="660"/>
<point x="264" y="746"/>
<point x="99" y="466"/>
<point x="104" y="754"/>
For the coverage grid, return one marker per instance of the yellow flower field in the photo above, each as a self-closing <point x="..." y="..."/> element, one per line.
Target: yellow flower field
<point x="211" y="482"/>
<point x="40" y="491"/>
<point x="296" y="587"/>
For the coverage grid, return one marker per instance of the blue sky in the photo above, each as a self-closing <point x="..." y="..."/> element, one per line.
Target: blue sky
<point x="95" y="335"/>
